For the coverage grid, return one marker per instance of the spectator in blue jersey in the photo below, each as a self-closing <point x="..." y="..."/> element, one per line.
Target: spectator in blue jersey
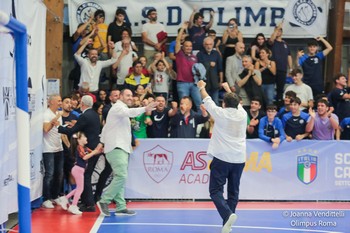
<point x="285" y="109"/>
<point x="212" y="62"/>
<point x="312" y="64"/>
<point x="281" y="55"/>
<point x="271" y="127"/>
<point x="255" y="113"/>
<point x="323" y="123"/>
<point x="344" y="133"/>
<point x="295" y="122"/>
<point x="184" y="123"/>
<point x="197" y="31"/>
<point x="340" y="96"/>
<point x="160" y="118"/>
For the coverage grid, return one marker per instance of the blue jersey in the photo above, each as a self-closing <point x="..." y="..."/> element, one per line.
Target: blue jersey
<point x="345" y="126"/>
<point x="294" y="125"/>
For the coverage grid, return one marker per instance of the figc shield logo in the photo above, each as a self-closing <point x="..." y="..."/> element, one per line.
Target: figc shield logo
<point x="307" y="168"/>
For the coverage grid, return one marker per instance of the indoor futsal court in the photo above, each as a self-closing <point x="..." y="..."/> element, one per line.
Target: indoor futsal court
<point x="202" y="217"/>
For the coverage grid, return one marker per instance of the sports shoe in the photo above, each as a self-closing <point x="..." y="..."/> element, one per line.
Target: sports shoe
<point x="63" y="202"/>
<point x="125" y="212"/>
<point x="74" y="209"/>
<point x="48" y="204"/>
<point x="227" y="226"/>
<point x="103" y="207"/>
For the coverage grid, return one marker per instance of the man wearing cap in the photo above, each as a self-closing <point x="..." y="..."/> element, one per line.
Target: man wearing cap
<point x="151" y="32"/>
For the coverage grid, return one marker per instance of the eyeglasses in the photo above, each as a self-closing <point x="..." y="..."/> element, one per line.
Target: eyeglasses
<point x="271" y="111"/>
<point x="101" y="16"/>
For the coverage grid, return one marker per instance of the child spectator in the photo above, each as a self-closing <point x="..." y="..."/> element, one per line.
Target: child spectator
<point x="271" y="128"/>
<point x="162" y="75"/>
<point x="311" y="64"/>
<point x="285" y="109"/>
<point x="81" y="154"/>
<point x="295" y="122"/>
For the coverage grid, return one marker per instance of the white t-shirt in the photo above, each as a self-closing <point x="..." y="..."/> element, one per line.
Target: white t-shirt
<point x="52" y="141"/>
<point x="303" y="91"/>
<point x="161" y="81"/>
<point x="152" y="29"/>
<point x="123" y="67"/>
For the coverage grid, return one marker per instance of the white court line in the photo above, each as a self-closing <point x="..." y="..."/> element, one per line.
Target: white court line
<point x="97" y="224"/>
<point x="219" y="226"/>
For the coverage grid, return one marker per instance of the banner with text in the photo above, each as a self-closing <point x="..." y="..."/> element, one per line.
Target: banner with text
<point x="253" y="16"/>
<point x="32" y="13"/>
<point x="179" y="169"/>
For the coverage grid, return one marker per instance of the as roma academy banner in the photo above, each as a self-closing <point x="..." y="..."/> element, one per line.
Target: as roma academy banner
<point x="253" y="16"/>
<point x="32" y="13"/>
<point x="179" y="169"/>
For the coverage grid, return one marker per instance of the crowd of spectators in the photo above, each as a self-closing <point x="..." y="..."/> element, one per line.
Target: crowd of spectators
<point x="276" y="112"/>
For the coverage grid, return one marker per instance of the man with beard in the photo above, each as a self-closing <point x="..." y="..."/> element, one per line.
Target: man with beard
<point x="91" y="67"/>
<point x="184" y="123"/>
<point x="113" y="97"/>
<point x="150" y="34"/>
<point x="69" y="119"/>
<point x="160" y="118"/>
<point x="116" y="137"/>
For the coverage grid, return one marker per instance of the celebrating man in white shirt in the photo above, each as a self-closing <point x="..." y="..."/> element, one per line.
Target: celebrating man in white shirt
<point x="116" y="137"/>
<point x="227" y="146"/>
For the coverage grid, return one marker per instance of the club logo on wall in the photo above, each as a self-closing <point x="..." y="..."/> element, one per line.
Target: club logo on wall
<point x="158" y="163"/>
<point x="305" y="12"/>
<point x="8" y="99"/>
<point x="85" y="10"/>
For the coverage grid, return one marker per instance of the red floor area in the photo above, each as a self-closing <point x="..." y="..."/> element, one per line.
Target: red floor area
<point x="58" y="220"/>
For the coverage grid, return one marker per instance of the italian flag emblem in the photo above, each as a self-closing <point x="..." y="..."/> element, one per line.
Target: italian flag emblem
<point x="307" y="168"/>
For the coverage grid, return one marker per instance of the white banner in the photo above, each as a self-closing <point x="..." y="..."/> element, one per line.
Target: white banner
<point x="32" y="13"/>
<point x="178" y="169"/>
<point x="254" y="16"/>
<point x="8" y="144"/>
<point x="309" y="15"/>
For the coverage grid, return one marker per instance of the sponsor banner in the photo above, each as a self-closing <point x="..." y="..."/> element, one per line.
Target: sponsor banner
<point x="179" y="169"/>
<point x="32" y="13"/>
<point x="8" y="145"/>
<point x="308" y="14"/>
<point x="253" y="16"/>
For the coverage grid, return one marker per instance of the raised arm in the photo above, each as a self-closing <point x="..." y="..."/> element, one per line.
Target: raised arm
<point x="328" y="48"/>
<point x="178" y="38"/>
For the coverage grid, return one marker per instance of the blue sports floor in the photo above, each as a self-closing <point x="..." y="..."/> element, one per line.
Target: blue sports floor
<point x="201" y="217"/>
<point x="208" y="221"/>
